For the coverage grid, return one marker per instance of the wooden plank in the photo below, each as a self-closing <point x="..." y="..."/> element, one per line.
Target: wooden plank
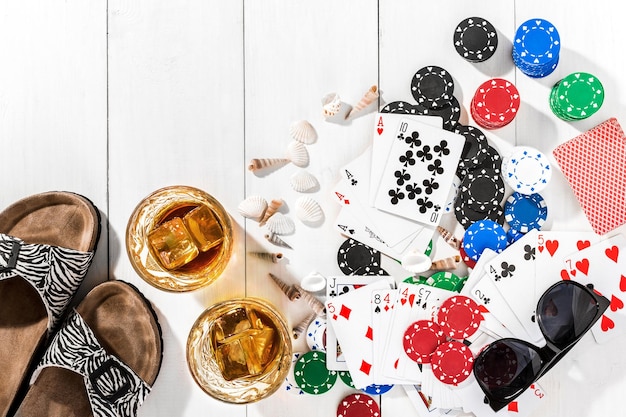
<point x="296" y="54"/>
<point x="176" y="118"/>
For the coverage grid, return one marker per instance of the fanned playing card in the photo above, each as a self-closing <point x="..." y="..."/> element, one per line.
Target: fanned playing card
<point x="594" y="164"/>
<point x="419" y="172"/>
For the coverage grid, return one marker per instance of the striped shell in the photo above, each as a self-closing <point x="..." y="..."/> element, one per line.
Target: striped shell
<point x="303" y="131"/>
<point x="308" y="210"/>
<point x="273" y="206"/>
<point x="297" y="154"/>
<point x="253" y="207"/>
<point x="280" y="224"/>
<point x="303" y="181"/>
<point x="258" y="164"/>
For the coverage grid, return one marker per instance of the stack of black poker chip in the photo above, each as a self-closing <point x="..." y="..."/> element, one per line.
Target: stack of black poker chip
<point x="475" y="39"/>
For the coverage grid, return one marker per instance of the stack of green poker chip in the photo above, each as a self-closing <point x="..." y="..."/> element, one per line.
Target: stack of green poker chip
<point x="577" y="96"/>
<point x="311" y="374"/>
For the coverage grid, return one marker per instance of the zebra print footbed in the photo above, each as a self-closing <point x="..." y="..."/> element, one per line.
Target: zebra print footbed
<point x="54" y="272"/>
<point x="113" y="388"/>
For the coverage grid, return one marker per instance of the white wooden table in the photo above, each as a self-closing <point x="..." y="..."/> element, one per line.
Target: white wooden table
<point x="115" y="99"/>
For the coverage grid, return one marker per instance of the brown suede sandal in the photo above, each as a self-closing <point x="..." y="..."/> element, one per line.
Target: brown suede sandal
<point x="47" y="243"/>
<point x="102" y="362"/>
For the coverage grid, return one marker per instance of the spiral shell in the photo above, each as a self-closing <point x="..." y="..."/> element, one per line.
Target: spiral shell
<point x="272" y="208"/>
<point x="303" y="131"/>
<point x="308" y="210"/>
<point x="274" y="257"/>
<point x="298" y="154"/>
<point x="253" y="207"/>
<point x="276" y="240"/>
<point x="291" y="291"/>
<point x="314" y="303"/>
<point x="280" y="224"/>
<point x="367" y="99"/>
<point x="303" y="181"/>
<point x="258" y="164"/>
<point x="299" y="328"/>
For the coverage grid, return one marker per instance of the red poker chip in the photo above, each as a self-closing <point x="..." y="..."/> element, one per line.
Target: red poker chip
<point x="452" y="363"/>
<point x="459" y="317"/>
<point x="465" y="257"/>
<point x="421" y="339"/>
<point x="358" y="405"/>
<point x="495" y="103"/>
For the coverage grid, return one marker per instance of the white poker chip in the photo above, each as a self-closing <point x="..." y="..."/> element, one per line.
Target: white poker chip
<point x="527" y="170"/>
<point x="316" y="334"/>
<point x="290" y="385"/>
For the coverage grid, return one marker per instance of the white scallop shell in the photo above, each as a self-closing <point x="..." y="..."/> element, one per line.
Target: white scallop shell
<point x="314" y="282"/>
<point x="253" y="207"/>
<point x="280" y="224"/>
<point x="308" y="210"/>
<point x="303" y="131"/>
<point x="303" y="181"/>
<point x="297" y="153"/>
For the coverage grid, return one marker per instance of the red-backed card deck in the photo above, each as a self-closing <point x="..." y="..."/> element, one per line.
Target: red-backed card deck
<point x="594" y="164"/>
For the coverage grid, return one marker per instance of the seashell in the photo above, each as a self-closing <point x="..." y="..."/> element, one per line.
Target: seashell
<point x="314" y="282"/>
<point x="253" y="207"/>
<point x="303" y="131"/>
<point x="272" y="208"/>
<point x="416" y="262"/>
<point x="299" y="328"/>
<point x="297" y="153"/>
<point x="291" y="291"/>
<point x="273" y="238"/>
<point x="446" y="263"/>
<point x="258" y="164"/>
<point x="316" y="305"/>
<point x="275" y="257"/>
<point x="308" y="210"/>
<point x="303" y="181"/>
<point x="333" y="108"/>
<point x="449" y="238"/>
<point x="367" y="99"/>
<point x="280" y="224"/>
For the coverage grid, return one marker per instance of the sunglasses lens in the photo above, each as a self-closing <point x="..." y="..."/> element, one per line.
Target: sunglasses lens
<point x="566" y="311"/>
<point x="507" y="367"/>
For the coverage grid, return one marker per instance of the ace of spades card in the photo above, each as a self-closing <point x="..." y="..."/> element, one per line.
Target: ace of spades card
<point x="603" y="265"/>
<point x="419" y="172"/>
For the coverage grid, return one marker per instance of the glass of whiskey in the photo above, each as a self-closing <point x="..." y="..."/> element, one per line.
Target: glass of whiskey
<point x="239" y="351"/>
<point x="179" y="238"/>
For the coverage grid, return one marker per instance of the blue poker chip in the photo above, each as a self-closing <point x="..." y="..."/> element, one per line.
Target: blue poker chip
<point x="376" y="389"/>
<point x="482" y="235"/>
<point x="513" y="236"/>
<point x="524" y="212"/>
<point x="536" y="47"/>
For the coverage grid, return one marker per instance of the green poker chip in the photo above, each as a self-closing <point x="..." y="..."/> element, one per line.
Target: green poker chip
<point x="577" y="96"/>
<point x="346" y="378"/>
<point x="415" y="280"/>
<point x="445" y="280"/>
<point x="311" y="374"/>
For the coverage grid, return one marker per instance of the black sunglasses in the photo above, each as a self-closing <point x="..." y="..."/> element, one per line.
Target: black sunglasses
<point x="507" y="367"/>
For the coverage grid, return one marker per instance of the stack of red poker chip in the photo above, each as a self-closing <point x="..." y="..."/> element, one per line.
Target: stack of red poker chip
<point x="495" y="103"/>
<point x="452" y="362"/>
<point x="358" y="405"/>
<point x="459" y="317"/>
<point x="421" y="339"/>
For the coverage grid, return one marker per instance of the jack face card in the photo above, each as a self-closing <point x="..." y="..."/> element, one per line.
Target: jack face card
<point x="419" y="172"/>
<point x="603" y="265"/>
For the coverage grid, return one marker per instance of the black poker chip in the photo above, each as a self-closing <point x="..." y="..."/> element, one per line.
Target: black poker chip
<point x="354" y="255"/>
<point x="432" y="87"/>
<point x="450" y="114"/>
<point x="466" y="216"/>
<point x="482" y="189"/>
<point x="371" y="270"/>
<point x="493" y="160"/>
<point x="475" y="39"/>
<point x="401" y="107"/>
<point x="475" y="148"/>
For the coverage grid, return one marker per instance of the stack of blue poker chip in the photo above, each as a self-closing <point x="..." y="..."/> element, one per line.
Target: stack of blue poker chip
<point x="481" y="235"/>
<point x="525" y="212"/>
<point x="536" y="48"/>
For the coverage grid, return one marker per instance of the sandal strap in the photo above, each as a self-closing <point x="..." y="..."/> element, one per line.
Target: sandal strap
<point x="54" y="272"/>
<point x="113" y="388"/>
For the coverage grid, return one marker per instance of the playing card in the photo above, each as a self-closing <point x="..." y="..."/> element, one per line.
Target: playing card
<point x="385" y="130"/>
<point x="594" y="164"/>
<point x="335" y="286"/>
<point x="350" y="316"/>
<point x="603" y="265"/>
<point x="382" y="312"/>
<point x="423" y="404"/>
<point x="419" y="172"/>
<point x="473" y="399"/>
<point x="513" y="273"/>
<point x="350" y="224"/>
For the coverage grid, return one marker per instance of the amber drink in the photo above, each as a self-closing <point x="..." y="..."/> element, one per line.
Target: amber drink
<point x="179" y="238"/>
<point x="239" y="351"/>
